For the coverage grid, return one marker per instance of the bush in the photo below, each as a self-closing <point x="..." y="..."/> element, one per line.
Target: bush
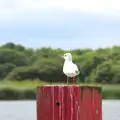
<point x="17" y="94"/>
<point x="5" y="69"/>
<point x="19" y="63"/>
<point x="45" y="70"/>
<point x="23" y="73"/>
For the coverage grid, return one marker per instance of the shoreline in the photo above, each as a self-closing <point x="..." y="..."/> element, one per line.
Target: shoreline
<point x="26" y="90"/>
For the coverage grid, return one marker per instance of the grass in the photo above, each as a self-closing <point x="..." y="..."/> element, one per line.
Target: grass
<point x="30" y="84"/>
<point x="111" y="87"/>
<point x="27" y="84"/>
<point x="27" y="89"/>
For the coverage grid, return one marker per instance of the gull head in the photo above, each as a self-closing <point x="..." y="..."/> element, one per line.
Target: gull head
<point x="67" y="57"/>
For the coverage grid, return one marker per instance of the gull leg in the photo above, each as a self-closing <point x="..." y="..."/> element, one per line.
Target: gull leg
<point x="73" y="80"/>
<point x="67" y="80"/>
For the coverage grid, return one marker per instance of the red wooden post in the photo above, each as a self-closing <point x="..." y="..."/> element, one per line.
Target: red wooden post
<point x="72" y="102"/>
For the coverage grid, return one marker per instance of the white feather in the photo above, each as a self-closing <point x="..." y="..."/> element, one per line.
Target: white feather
<point x="69" y="68"/>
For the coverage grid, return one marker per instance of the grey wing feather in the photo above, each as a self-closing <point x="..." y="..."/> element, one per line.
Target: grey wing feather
<point x="76" y="69"/>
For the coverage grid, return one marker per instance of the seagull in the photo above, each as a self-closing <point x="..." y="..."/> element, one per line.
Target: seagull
<point x="69" y="68"/>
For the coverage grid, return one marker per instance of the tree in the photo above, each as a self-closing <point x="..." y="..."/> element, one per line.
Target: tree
<point x="12" y="56"/>
<point x="20" y="63"/>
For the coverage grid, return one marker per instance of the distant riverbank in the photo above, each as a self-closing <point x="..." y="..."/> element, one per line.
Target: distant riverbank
<point x="26" y="90"/>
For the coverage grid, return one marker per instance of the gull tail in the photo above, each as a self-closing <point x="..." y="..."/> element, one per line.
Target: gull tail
<point x="77" y="72"/>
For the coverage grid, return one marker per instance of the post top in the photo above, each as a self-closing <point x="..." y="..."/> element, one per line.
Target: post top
<point x="63" y="85"/>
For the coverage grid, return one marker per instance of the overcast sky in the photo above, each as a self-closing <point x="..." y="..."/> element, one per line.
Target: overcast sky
<point x="66" y="24"/>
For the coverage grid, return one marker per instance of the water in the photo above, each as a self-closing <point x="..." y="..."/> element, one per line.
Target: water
<point x="26" y="110"/>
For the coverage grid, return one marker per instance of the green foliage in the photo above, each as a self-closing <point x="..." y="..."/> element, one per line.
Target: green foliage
<point x="96" y="66"/>
<point x="17" y="94"/>
<point x="5" y="69"/>
<point x="11" y="45"/>
<point x="13" y="56"/>
<point x="22" y="73"/>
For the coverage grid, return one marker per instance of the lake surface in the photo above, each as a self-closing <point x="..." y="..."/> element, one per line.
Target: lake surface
<point x="26" y="110"/>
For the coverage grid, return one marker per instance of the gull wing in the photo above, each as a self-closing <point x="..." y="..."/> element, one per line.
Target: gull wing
<point x="76" y="69"/>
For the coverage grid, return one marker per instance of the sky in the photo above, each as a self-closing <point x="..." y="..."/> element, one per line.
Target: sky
<point x="66" y="24"/>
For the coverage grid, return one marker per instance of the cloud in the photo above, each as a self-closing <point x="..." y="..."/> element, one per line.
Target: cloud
<point x="53" y="22"/>
<point x="63" y="25"/>
<point x="15" y="9"/>
<point x="80" y="5"/>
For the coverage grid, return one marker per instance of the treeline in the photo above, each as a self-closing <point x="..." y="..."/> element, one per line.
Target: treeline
<point x="20" y="63"/>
